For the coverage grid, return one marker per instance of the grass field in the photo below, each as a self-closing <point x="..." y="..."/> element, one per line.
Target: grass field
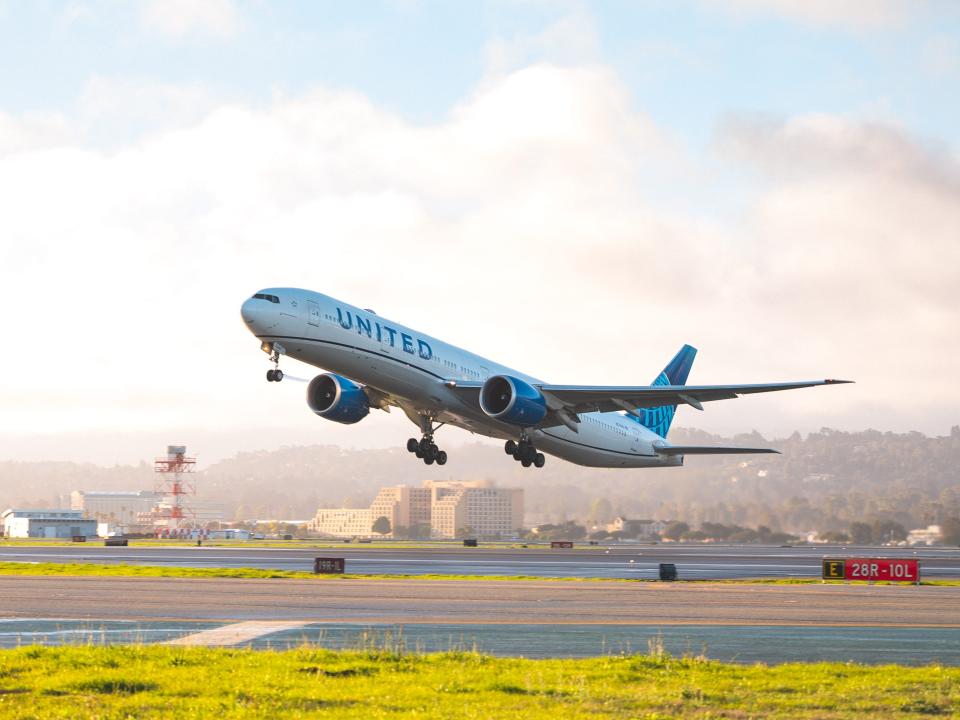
<point x="295" y="544"/>
<point x="94" y="569"/>
<point x="165" y="682"/>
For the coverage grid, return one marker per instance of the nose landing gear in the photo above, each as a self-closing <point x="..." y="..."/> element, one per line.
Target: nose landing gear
<point x="275" y="375"/>
<point x="524" y="452"/>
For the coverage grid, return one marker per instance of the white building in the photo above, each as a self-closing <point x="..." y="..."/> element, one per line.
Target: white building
<point x="404" y="507"/>
<point x="47" y="524"/>
<point x="342" y="522"/>
<point x="931" y="535"/>
<point x="642" y="529"/>
<point x="478" y="509"/>
<point x="230" y="534"/>
<point x="118" y="507"/>
<point x="448" y="509"/>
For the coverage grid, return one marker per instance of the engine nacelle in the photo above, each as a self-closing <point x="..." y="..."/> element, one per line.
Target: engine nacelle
<point x="511" y="400"/>
<point x="336" y="398"/>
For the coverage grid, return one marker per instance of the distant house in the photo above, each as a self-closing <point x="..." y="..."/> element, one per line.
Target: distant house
<point x="930" y="535"/>
<point x="231" y="534"/>
<point x="47" y="524"/>
<point x="643" y="529"/>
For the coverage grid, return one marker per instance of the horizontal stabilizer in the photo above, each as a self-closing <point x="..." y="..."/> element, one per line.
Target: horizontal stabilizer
<point x="710" y="450"/>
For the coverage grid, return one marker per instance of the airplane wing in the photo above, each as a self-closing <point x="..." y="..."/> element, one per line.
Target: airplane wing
<point x="565" y="402"/>
<point x="583" y="398"/>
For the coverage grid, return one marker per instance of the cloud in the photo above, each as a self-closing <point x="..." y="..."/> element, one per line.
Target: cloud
<point x="525" y="225"/>
<point x="33" y="130"/>
<point x="157" y="241"/>
<point x="845" y="14"/>
<point x="571" y="40"/>
<point x="856" y="247"/>
<point x="179" y="19"/>
<point x="819" y="144"/>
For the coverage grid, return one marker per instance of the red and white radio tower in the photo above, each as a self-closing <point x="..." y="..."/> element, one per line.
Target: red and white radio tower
<point x="174" y="479"/>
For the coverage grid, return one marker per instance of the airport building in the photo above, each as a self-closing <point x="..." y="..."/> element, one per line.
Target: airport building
<point x="139" y="508"/>
<point x="47" y="524"/>
<point x="342" y="522"/>
<point x="405" y="507"/>
<point x="115" y="507"/>
<point x="440" y="510"/>
<point x="475" y="509"/>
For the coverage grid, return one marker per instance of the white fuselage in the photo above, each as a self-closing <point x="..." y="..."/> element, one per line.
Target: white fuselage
<point x="412" y="369"/>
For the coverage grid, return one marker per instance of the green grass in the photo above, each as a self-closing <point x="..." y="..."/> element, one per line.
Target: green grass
<point x="166" y="682"/>
<point x="94" y="569"/>
<point x="287" y="544"/>
<point x="98" y="570"/>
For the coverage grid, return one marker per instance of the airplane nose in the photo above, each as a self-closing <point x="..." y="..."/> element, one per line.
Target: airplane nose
<point x="248" y="311"/>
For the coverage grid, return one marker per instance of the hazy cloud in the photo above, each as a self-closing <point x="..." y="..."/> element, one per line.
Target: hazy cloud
<point x="570" y="40"/>
<point x="857" y="246"/>
<point x="848" y="14"/>
<point x="178" y="19"/>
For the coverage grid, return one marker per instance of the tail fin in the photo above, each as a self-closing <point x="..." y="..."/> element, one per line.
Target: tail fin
<point x="659" y="419"/>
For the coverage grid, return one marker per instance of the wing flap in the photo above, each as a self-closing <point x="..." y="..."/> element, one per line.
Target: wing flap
<point x="710" y="450"/>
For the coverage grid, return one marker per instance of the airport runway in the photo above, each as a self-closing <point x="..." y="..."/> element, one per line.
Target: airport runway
<point x="410" y="601"/>
<point x="747" y="623"/>
<point x="693" y="561"/>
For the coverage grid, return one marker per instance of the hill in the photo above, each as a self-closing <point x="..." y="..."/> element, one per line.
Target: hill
<point x="822" y="481"/>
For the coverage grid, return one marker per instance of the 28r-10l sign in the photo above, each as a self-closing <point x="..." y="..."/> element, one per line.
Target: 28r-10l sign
<point x="872" y="569"/>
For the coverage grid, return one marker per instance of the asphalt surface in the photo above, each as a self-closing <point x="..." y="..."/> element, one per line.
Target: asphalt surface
<point x="700" y="562"/>
<point x="440" y="601"/>
<point x="745" y="644"/>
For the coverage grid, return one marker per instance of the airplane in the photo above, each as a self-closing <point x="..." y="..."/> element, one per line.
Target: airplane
<point x="373" y="362"/>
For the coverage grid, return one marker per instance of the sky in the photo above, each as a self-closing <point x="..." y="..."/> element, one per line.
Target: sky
<point x="572" y="189"/>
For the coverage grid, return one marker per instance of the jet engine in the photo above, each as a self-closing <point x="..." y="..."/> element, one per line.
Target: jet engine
<point x="511" y="400"/>
<point x="336" y="398"/>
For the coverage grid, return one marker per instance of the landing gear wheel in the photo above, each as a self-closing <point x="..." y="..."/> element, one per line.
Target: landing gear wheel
<point x="425" y="448"/>
<point x="277" y="375"/>
<point x="524" y="452"/>
<point x="269" y="375"/>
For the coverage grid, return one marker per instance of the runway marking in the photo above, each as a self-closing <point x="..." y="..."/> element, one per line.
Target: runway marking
<point x="236" y="633"/>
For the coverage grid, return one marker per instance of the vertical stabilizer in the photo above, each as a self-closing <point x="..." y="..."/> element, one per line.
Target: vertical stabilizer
<point x="659" y="419"/>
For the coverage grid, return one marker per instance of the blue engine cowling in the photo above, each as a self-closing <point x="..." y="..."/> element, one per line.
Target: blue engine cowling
<point x="511" y="400"/>
<point x="336" y="398"/>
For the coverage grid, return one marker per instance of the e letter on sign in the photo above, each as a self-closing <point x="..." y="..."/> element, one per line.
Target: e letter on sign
<point x="872" y="569"/>
<point x="833" y="569"/>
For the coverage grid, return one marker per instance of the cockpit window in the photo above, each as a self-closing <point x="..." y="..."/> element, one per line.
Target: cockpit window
<point x="264" y="296"/>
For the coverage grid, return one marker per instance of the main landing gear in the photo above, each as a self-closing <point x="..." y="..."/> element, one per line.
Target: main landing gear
<point x="275" y="375"/>
<point x="427" y="450"/>
<point x="524" y="452"/>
